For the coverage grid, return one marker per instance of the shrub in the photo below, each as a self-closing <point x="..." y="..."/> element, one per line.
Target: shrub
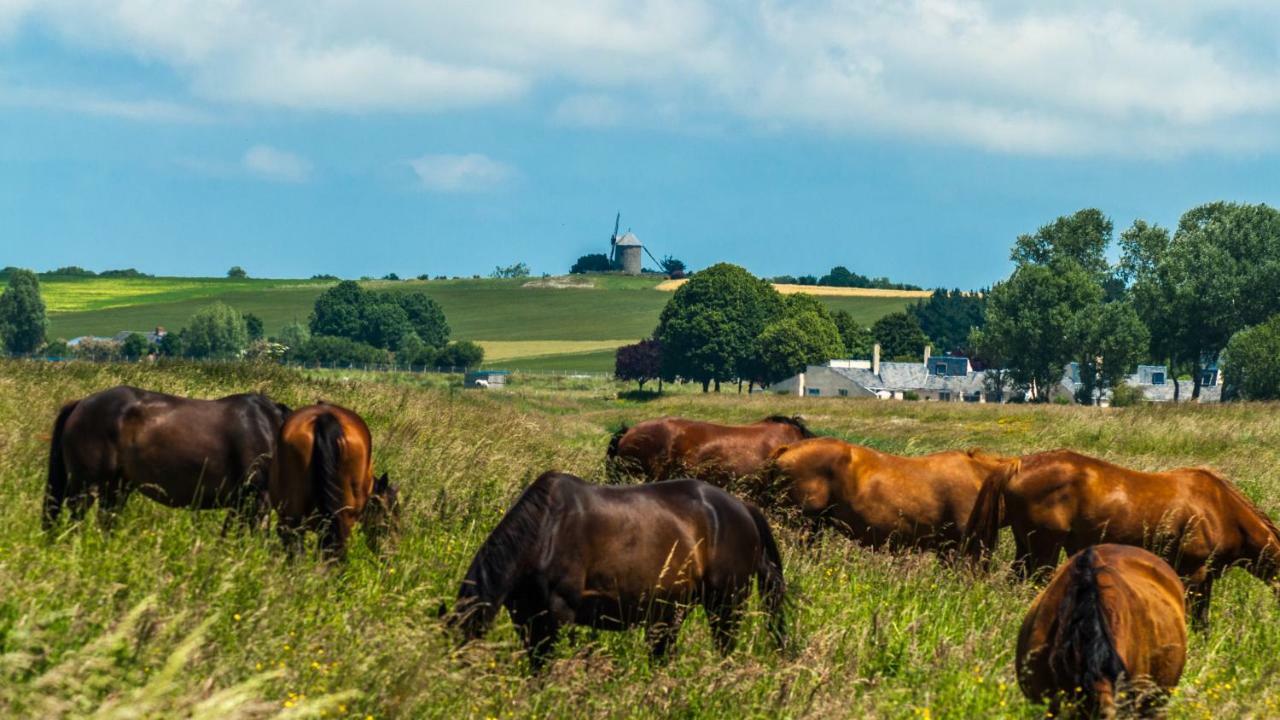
<point x="56" y="349"/>
<point x="1126" y="395"/>
<point x="461" y="354"/>
<point x="215" y="331"/>
<point x="326" y="349"/>
<point x="22" y="318"/>
<point x="98" y="350"/>
<point x="135" y="346"/>
<point x="641" y="362"/>
<point x="1249" y="365"/>
<point x="237" y="272"/>
<point x="595" y="262"/>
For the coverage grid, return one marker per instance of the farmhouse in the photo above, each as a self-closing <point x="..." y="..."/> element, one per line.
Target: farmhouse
<point x="944" y="379"/>
<point x="1153" y="380"/>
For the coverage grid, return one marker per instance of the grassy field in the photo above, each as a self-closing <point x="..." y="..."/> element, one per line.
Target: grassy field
<point x="165" y="618"/>
<point x="614" y="311"/>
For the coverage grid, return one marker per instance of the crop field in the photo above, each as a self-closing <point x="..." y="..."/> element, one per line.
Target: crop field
<point x="612" y="311"/>
<point x="165" y="617"/>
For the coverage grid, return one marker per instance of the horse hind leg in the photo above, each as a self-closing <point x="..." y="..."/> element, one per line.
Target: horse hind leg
<point x="661" y="634"/>
<point x="724" y="615"/>
<point x="1199" y="594"/>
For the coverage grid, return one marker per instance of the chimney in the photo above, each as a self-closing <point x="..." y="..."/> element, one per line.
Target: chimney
<point x="800" y="385"/>
<point x="875" y="359"/>
<point x="928" y="350"/>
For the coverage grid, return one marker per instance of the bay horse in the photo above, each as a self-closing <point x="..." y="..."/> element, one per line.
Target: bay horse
<point x="612" y="558"/>
<point x="1196" y="520"/>
<point x="1110" y="623"/>
<point x="180" y="452"/>
<point x="322" y="480"/>
<point x="879" y="499"/>
<point x="671" y="447"/>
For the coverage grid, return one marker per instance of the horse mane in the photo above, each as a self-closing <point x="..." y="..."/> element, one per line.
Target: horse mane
<point x="1085" y="653"/>
<point x="615" y="440"/>
<point x="794" y="421"/>
<point x="494" y="570"/>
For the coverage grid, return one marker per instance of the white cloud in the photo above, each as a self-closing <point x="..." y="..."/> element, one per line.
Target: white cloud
<point x="1076" y="77"/>
<point x="91" y="102"/>
<point x="460" y="173"/>
<point x="269" y="163"/>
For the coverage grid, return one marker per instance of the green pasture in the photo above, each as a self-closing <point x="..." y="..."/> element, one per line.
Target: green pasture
<point x="165" y="617"/>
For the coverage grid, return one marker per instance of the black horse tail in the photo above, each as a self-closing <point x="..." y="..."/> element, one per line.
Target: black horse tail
<point x="494" y="570"/>
<point x="1085" y="655"/>
<point x="982" y="532"/>
<point x="770" y="583"/>
<point x="55" y="489"/>
<point x="326" y="484"/>
<point x="612" y="471"/>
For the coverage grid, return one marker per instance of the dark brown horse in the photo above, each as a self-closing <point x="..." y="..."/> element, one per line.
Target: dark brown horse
<point x="1110" y="629"/>
<point x="322" y="480"/>
<point x="568" y="552"/>
<point x="181" y="452"/>
<point x="1193" y="518"/>
<point x="882" y="499"/>
<point x="673" y="447"/>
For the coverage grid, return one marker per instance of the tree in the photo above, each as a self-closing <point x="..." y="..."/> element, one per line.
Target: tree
<point x="253" y="324"/>
<point x="22" y="317"/>
<point x="391" y="276"/>
<point x="215" y="331"/>
<point x="800" y="338"/>
<point x="640" y="362"/>
<point x="1113" y="341"/>
<point x="462" y="354"/>
<point x="949" y="316"/>
<point x="519" y="270"/>
<point x="338" y="310"/>
<point x="671" y="266"/>
<point x="1036" y="321"/>
<point x="841" y="276"/>
<point x="857" y="337"/>
<point x="384" y="325"/>
<point x="709" y="327"/>
<point x="135" y="346"/>
<point x="899" y="336"/>
<point x="594" y="262"/>
<point x="337" y="350"/>
<point x="425" y="316"/>
<point x="294" y="335"/>
<point x="1081" y="238"/>
<point x="237" y="272"/>
<point x="1250" y="370"/>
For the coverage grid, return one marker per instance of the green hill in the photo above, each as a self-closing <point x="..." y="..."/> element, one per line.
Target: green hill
<point x="533" y="323"/>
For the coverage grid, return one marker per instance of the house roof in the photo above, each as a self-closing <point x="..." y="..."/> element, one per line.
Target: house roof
<point x="903" y="376"/>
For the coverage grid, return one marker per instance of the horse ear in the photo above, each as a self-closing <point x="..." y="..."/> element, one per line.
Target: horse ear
<point x="381" y="484"/>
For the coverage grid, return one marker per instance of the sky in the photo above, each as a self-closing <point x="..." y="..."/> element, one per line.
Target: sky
<point x="912" y="139"/>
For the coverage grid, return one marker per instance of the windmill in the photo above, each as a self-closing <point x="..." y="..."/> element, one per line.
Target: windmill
<point x="625" y="250"/>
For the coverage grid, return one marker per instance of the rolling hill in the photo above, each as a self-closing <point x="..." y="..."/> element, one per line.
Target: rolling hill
<point x="523" y="324"/>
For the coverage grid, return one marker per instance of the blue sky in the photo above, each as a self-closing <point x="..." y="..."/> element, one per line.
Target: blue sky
<point x="912" y="139"/>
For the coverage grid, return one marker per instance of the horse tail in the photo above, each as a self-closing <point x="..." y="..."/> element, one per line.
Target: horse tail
<point x="494" y="570"/>
<point x="770" y="582"/>
<point x="55" y="489"/>
<point x="1085" y="656"/>
<point x="326" y="484"/>
<point x="982" y="532"/>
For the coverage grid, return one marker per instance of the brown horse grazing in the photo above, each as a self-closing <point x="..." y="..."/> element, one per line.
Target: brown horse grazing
<point x="611" y="558"/>
<point x="881" y="499"/>
<point x="673" y="447"/>
<point x="322" y="480"/>
<point x="181" y="452"/>
<point x="1193" y="518"/>
<point x="1111" y="622"/>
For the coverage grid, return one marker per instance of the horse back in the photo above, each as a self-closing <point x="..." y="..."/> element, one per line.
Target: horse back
<point x="290" y="486"/>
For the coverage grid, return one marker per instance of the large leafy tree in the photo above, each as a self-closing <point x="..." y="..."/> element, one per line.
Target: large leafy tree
<point x="709" y="327"/>
<point x="804" y="335"/>
<point x="22" y="316"/>
<point x="1217" y="275"/>
<point x="1081" y="238"/>
<point x="1036" y="322"/>
<point x="594" y="262"/>
<point x="383" y="320"/>
<point x="337" y="311"/>
<point x="425" y="315"/>
<point x="215" y="331"/>
<point x="1113" y="340"/>
<point x="1250" y="370"/>
<point x="899" y="336"/>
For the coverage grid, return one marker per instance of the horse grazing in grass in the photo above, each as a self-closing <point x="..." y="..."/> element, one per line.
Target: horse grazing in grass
<point x="1193" y="518"/>
<point x="180" y="452"/>
<point x="673" y="447"/>
<point x="881" y="499"/>
<point x="1111" y="623"/>
<point x="322" y="480"/>
<point x="611" y="558"/>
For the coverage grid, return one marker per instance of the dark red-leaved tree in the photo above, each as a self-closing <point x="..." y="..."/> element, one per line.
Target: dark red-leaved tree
<point x="641" y="362"/>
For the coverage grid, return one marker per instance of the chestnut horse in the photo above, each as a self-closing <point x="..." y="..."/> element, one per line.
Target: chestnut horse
<point x="323" y="480"/>
<point x="672" y="447"/>
<point x="1193" y="518"/>
<point x="180" y="452"/>
<point x="1110" y="622"/>
<point x="610" y="558"/>
<point x="882" y="499"/>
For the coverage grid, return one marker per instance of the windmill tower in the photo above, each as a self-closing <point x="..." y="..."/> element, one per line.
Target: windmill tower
<point x="625" y="250"/>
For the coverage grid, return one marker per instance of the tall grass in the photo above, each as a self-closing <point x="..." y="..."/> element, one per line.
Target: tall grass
<point x="164" y="617"/>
